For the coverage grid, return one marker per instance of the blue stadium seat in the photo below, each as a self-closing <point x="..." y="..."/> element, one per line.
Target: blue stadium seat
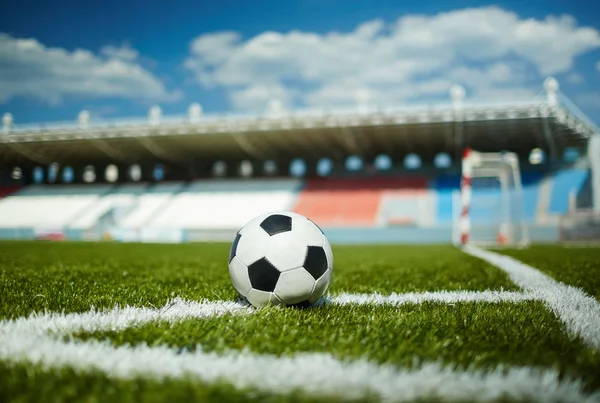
<point x="445" y="186"/>
<point x="563" y="182"/>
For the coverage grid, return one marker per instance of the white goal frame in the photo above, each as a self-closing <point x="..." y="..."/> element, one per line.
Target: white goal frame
<point x="513" y="229"/>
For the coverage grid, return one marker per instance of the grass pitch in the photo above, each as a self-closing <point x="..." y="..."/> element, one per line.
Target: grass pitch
<point x="72" y="277"/>
<point x="576" y="266"/>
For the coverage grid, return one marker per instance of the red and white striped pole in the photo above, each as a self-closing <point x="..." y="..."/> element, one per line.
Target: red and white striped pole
<point x="465" y="196"/>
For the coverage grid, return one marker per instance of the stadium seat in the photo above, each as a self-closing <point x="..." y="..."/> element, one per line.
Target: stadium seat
<point x="355" y="201"/>
<point x="225" y="204"/>
<point x="117" y="203"/>
<point x="45" y="206"/>
<point x="150" y="203"/>
<point x="8" y="190"/>
<point x="563" y="182"/>
<point x="445" y="186"/>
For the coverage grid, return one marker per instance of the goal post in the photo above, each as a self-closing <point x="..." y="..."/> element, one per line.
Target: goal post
<point x="491" y="205"/>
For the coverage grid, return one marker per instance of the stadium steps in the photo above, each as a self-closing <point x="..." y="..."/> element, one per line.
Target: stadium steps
<point x="112" y="205"/>
<point x="157" y="198"/>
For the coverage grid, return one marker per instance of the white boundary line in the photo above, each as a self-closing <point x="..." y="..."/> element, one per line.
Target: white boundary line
<point x="578" y="311"/>
<point x="445" y="297"/>
<point x="38" y="340"/>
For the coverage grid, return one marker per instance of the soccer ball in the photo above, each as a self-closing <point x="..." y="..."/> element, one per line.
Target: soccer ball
<point x="281" y="259"/>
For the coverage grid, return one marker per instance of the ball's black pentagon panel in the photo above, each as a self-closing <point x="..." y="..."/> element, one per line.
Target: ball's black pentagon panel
<point x="316" y="261"/>
<point x="316" y="225"/>
<point x="263" y="275"/>
<point x="234" y="246"/>
<point x="276" y="224"/>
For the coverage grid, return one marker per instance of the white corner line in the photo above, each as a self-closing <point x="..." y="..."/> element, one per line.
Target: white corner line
<point x="37" y="340"/>
<point x="577" y="310"/>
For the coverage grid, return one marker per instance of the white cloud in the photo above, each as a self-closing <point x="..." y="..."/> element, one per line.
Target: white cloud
<point x="28" y="68"/>
<point x="123" y="53"/>
<point x="488" y="49"/>
<point x="598" y="66"/>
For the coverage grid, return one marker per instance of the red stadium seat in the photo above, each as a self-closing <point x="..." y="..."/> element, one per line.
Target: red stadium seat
<point x="351" y="201"/>
<point x="8" y="190"/>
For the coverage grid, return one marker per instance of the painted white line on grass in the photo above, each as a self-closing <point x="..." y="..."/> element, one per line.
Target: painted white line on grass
<point x="446" y="297"/>
<point x="38" y="340"/>
<point x="579" y="311"/>
<point x="120" y="318"/>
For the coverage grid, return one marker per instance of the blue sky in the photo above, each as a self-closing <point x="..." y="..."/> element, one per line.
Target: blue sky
<point x="117" y="58"/>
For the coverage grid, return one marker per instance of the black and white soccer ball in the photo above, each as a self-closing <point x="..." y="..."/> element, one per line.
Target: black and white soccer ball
<point x="281" y="259"/>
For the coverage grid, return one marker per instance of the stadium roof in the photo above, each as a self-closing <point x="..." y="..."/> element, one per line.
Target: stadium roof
<point x="550" y="122"/>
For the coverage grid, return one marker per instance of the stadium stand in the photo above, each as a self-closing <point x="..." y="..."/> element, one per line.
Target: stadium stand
<point x="563" y="183"/>
<point x="357" y="201"/>
<point x="8" y="190"/>
<point x="117" y="203"/>
<point x="48" y="205"/>
<point x="228" y="203"/>
<point x="225" y="204"/>
<point x="151" y="203"/>
<point x="415" y="195"/>
<point x="445" y="186"/>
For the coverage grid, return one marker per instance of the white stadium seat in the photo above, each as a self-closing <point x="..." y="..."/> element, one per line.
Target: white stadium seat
<point x="44" y="206"/>
<point x="226" y="204"/>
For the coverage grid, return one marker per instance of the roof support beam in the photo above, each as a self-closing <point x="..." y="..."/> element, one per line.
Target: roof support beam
<point x="109" y="150"/>
<point x="30" y="155"/>
<point x="158" y="151"/>
<point x="550" y="140"/>
<point x="348" y="140"/>
<point x="247" y="146"/>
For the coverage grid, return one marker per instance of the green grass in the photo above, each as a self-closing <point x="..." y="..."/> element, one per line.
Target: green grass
<point x="579" y="267"/>
<point x="463" y="334"/>
<point x="24" y="383"/>
<point x="71" y="277"/>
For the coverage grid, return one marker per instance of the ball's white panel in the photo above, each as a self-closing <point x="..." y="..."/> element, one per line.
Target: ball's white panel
<point x="239" y="276"/>
<point x="262" y="298"/>
<point x="328" y="252"/>
<point x="253" y="223"/>
<point x="253" y="244"/>
<point x="286" y="251"/>
<point x="321" y="286"/>
<point x="294" y="286"/>
<point x="307" y="231"/>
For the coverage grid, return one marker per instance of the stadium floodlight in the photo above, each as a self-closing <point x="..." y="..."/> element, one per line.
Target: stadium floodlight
<point x="7" y="121"/>
<point x="154" y="115"/>
<point x="551" y="86"/>
<point x="491" y="201"/>
<point x="457" y="93"/>
<point x="83" y="119"/>
<point x="195" y="112"/>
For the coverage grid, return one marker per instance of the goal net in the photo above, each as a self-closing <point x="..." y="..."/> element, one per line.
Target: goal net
<point x="489" y="209"/>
